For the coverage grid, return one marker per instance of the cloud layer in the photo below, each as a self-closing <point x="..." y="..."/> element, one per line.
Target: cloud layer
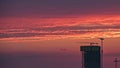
<point x="82" y="30"/>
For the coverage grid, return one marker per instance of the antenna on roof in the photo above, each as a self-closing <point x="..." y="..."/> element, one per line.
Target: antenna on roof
<point x="102" y="41"/>
<point x="116" y="62"/>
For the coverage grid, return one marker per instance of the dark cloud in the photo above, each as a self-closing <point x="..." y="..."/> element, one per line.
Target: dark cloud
<point x="12" y="35"/>
<point x="83" y="27"/>
<point x="51" y="8"/>
<point x="58" y="30"/>
<point x="63" y="49"/>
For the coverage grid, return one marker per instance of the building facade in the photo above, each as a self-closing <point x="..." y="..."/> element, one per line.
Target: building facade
<point x="91" y="56"/>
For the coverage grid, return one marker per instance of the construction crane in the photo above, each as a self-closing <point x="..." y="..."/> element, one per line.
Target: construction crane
<point x="102" y="41"/>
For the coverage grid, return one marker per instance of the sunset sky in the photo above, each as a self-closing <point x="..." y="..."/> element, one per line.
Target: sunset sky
<point x="44" y="33"/>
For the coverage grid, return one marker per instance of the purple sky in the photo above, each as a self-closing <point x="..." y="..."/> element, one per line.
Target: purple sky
<point x="43" y="33"/>
<point x="58" y="8"/>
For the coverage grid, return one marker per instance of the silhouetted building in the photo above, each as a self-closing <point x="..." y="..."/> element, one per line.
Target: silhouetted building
<point x="90" y="56"/>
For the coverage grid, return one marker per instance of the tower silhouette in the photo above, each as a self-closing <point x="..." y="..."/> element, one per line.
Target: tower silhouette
<point x="91" y="56"/>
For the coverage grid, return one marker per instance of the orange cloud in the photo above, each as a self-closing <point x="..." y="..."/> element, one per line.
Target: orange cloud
<point x="83" y="27"/>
